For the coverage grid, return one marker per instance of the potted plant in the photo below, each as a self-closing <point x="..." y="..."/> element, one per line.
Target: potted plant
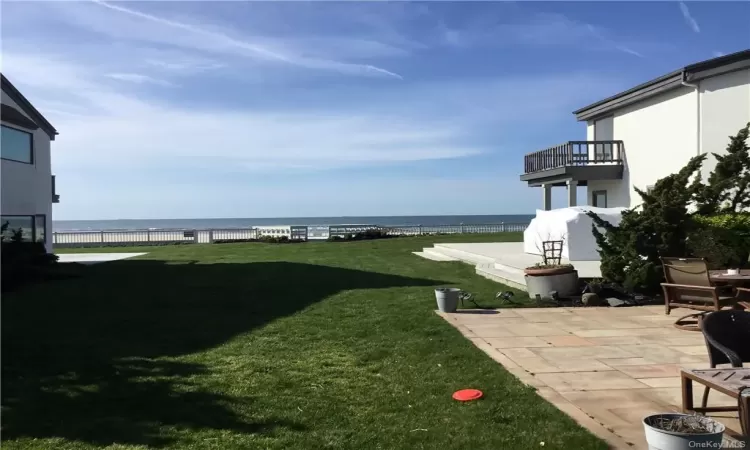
<point x="551" y="275"/>
<point x="673" y="431"/>
<point x="594" y="286"/>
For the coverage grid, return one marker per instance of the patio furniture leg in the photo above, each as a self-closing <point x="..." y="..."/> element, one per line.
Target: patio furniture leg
<point x="704" y="402"/>
<point x="687" y="393"/>
<point x="690" y="322"/>
<point x="744" y="413"/>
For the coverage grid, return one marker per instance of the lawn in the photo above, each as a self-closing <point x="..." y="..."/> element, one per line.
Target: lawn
<point x="238" y="346"/>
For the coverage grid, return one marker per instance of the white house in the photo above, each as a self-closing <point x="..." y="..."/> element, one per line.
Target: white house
<point x="28" y="186"/>
<point x="645" y="133"/>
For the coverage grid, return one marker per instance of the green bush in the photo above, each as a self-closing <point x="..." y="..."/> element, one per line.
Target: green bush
<point x="682" y="218"/>
<point x="723" y="239"/>
<point x="23" y="262"/>
<point x="660" y="226"/>
<point x="374" y="233"/>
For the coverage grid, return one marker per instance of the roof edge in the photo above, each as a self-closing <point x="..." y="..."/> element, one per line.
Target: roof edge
<point x="704" y="69"/>
<point x="27" y="107"/>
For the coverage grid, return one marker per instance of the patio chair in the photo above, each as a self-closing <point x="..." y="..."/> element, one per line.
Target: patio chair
<point x="727" y="335"/>
<point x="688" y="285"/>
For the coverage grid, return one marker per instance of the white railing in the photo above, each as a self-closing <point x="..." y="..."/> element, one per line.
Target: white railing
<point x="208" y="236"/>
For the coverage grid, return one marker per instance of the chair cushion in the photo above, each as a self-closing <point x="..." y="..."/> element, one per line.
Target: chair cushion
<point x="704" y="299"/>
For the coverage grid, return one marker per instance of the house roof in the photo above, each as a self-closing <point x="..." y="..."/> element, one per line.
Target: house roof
<point x="672" y="80"/>
<point x="12" y="115"/>
<point x="27" y="107"/>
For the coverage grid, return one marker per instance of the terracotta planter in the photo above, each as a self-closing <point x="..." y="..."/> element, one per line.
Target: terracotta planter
<point x="541" y="272"/>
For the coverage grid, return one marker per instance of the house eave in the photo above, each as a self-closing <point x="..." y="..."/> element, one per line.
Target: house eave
<point x="27" y="107"/>
<point x="694" y="72"/>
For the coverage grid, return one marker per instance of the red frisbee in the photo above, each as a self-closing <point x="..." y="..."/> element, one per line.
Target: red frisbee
<point x="465" y="395"/>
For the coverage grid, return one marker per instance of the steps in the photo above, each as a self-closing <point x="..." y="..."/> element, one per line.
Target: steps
<point x="461" y="255"/>
<point x="434" y="256"/>
<point x="511" y="279"/>
<point x="510" y="269"/>
<point x="485" y="266"/>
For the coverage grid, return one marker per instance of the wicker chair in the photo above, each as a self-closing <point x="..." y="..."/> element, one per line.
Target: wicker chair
<point x="689" y="286"/>
<point x="727" y="335"/>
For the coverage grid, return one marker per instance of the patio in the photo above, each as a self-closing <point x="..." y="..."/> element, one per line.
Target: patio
<point x="605" y="367"/>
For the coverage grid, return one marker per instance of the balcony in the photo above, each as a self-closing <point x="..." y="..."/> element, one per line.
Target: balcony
<point x="579" y="161"/>
<point x="55" y="196"/>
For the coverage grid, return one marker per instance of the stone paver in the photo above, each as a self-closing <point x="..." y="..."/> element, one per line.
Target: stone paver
<point x="607" y="368"/>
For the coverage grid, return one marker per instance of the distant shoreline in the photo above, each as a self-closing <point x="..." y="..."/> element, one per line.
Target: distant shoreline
<point x="240" y="223"/>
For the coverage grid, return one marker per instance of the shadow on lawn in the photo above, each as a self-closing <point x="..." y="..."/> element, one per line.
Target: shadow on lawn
<point x="79" y="356"/>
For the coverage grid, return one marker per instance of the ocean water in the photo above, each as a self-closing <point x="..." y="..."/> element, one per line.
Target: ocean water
<point x="190" y="224"/>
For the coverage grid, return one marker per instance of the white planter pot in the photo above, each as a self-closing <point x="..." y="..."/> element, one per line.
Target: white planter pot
<point x="659" y="439"/>
<point x="564" y="284"/>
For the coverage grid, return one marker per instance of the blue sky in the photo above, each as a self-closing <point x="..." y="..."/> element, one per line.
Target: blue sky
<point x="278" y="109"/>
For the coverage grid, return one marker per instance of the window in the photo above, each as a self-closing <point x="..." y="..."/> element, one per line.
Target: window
<point x="603" y="131"/>
<point x="24" y="223"/>
<point x="599" y="199"/>
<point x="16" y="145"/>
<point x="32" y="227"/>
<point x="40" y="223"/>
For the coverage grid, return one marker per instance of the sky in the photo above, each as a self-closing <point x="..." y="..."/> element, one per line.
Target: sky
<point x="298" y="109"/>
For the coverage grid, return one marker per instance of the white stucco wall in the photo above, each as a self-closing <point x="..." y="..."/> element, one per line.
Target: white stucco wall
<point x="617" y="197"/>
<point x="26" y="189"/>
<point x="659" y="135"/>
<point x="662" y="133"/>
<point x="725" y="108"/>
<point x="590" y="130"/>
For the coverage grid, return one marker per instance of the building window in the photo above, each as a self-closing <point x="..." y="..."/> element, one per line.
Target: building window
<point x="599" y="199"/>
<point x="16" y="145"/>
<point x="32" y="227"/>
<point x="40" y="225"/>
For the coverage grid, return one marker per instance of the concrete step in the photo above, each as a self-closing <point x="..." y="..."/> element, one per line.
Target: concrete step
<point x="438" y="254"/>
<point x="510" y="269"/>
<point x="510" y="279"/>
<point x="433" y="256"/>
<point x="468" y="257"/>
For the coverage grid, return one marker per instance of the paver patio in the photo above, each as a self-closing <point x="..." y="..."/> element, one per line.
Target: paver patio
<point x="605" y="367"/>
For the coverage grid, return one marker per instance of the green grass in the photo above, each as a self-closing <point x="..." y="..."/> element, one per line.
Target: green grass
<point x="238" y="346"/>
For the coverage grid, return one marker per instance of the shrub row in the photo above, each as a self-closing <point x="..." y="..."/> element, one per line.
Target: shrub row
<point x="363" y="236"/>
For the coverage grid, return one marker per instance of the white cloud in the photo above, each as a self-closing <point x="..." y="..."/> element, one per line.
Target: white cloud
<point x="540" y="30"/>
<point x="201" y="38"/>
<point x="689" y="20"/>
<point x="185" y="65"/>
<point x="105" y="125"/>
<point x="139" y="78"/>
<point x="717" y="53"/>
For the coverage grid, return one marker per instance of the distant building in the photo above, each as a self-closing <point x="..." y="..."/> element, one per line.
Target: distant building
<point x="28" y="186"/>
<point x="648" y="132"/>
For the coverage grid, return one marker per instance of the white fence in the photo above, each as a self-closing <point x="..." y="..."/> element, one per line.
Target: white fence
<point x="315" y="232"/>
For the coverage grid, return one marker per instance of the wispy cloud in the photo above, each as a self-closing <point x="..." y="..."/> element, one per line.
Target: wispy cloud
<point x="224" y="42"/>
<point x="139" y="78"/>
<point x="717" y="53"/>
<point x="538" y="30"/>
<point x="689" y="20"/>
<point x="185" y="65"/>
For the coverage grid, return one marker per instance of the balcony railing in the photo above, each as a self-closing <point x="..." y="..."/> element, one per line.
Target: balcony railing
<point x="55" y="196"/>
<point x="574" y="153"/>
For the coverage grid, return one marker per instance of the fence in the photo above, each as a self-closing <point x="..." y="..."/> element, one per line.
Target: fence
<point x="106" y="238"/>
<point x="417" y="230"/>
